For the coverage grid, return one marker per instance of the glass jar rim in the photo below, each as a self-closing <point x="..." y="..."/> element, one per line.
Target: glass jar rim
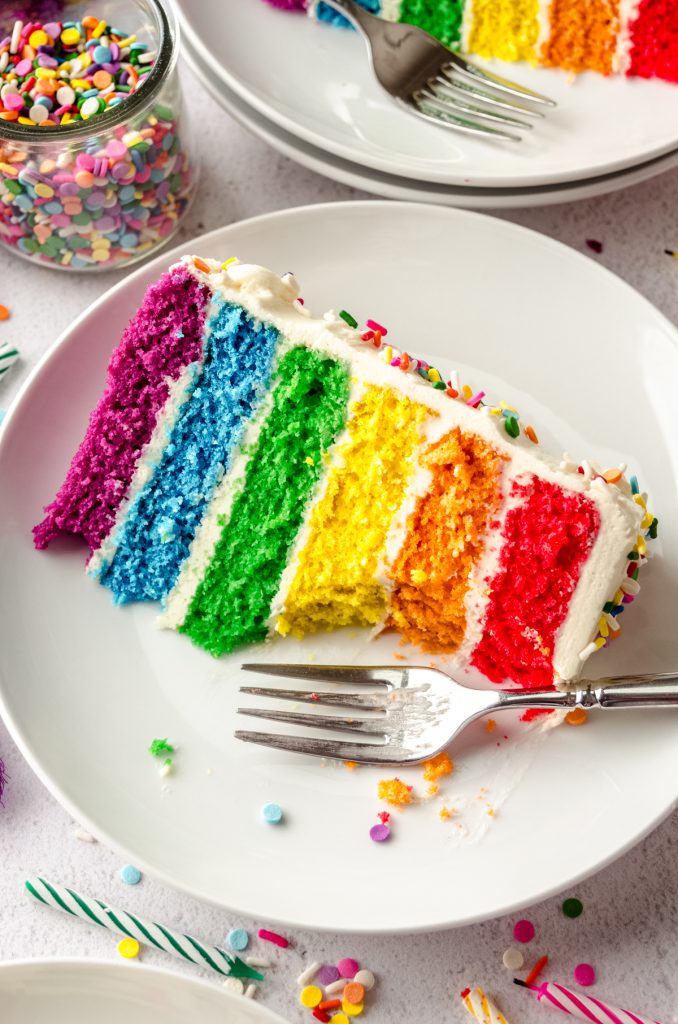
<point x="101" y="124"/>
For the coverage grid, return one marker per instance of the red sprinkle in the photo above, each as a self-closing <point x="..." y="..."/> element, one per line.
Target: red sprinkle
<point x="384" y="817"/>
<point x="321" y="1015"/>
<point x="279" y="940"/>
<point x="367" y="336"/>
<point x="315" y="696"/>
<point x="464" y="992"/>
<point x="377" y="327"/>
<point x="594" y="245"/>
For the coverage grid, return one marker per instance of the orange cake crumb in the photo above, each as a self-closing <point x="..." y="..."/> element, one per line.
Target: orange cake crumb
<point x="395" y="792"/>
<point x="490" y="725"/>
<point x="583" y="36"/>
<point x="437" y="767"/>
<point x="444" y="541"/>
<point x="576" y="717"/>
<point x="350" y="765"/>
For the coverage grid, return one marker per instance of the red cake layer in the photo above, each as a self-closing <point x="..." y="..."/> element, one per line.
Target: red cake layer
<point x="654" y="40"/>
<point x="547" y="539"/>
<point x="163" y="338"/>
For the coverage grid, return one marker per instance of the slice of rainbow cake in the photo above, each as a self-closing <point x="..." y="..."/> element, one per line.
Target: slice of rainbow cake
<point x="628" y="37"/>
<point x="263" y="472"/>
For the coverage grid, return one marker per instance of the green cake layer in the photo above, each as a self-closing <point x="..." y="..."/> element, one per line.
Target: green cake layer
<point x="232" y="604"/>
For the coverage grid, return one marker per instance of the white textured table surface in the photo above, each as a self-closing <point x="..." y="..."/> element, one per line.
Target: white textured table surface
<point x="629" y="929"/>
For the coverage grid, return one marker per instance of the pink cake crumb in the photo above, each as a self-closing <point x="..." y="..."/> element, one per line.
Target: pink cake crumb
<point x="162" y="339"/>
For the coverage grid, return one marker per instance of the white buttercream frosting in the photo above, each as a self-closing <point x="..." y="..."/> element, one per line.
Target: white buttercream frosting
<point x="274" y="300"/>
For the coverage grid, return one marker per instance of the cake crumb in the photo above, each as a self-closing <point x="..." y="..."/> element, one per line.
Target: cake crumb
<point x="490" y="725"/>
<point x="351" y="765"/>
<point x="395" y="792"/>
<point x="437" y="767"/>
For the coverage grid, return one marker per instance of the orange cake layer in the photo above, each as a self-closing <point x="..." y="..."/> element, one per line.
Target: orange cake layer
<point x="583" y="36"/>
<point x="445" y="539"/>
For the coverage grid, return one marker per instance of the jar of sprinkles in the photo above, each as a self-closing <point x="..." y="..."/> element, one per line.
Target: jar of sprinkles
<point x="94" y="167"/>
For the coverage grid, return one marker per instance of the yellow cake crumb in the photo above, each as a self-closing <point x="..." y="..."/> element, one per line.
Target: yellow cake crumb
<point x="395" y="792"/>
<point x="433" y="789"/>
<point x="437" y="767"/>
<point x="418" y="576"/>
<point x="445" y="813"/>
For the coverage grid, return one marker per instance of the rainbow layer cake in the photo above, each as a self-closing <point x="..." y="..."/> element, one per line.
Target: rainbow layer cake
<point x="629" y="37"/>
<point x="262" y="472"/>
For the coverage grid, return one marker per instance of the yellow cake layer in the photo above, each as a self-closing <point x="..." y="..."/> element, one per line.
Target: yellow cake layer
<point x="335" y="581"/>
<point x="444" y="542"/>
<point x="507" y="29"/>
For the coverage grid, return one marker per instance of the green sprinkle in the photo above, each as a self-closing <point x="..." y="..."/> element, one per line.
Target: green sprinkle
<point x="573" y="907"/>
<point x="608" y="606"/>
<point x="511" y="426"/>
<point x="347" y="318"/>
<point x="160" y="747"/>
<point x="439" y="385"/>
<point x="653" y="528"/>
<point x="632" y="556"/>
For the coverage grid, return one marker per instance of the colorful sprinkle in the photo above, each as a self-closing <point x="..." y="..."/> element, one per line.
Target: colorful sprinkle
<point x="374" y="326"/>
<point x="511" y="426"/>
<point x="365" y="978"/>
<point x="328" y="974"/>
<point x="513" y="959"/>
<point x="329" y="1004"/>
<point x="523" y="931"/>
<point x="159" y="748"/>
<point x="475" y="400"/>
<point x="351" y="1009"/>
<point x="594" y="245"/>
<point x="130" y="875"/>
<point x="572" y="907"/>
<point x="307" y="976"/>
<point x="311" y="996"/>
<point x="348" y="967"/>
<point x="272" y="814"/>
<point x="347" y="318"/>
<point x="129" y="948"/>
<point x="278" y="940"/>
<point x="530" y="433"/>
<point x="238" y="939"/>
<point x="234" y="985"/>
<point x="576" y="717"/>
<point x="4" y="312"/>
<point x="380" y="833"/>
<point x="584" y="974"/>
<point x="321" y="1015"/>
<point x="536" y="970"/>
<point x="354" y="992"/>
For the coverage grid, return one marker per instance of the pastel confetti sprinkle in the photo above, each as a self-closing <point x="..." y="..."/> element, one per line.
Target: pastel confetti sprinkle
<point x="365" y="978"/>
<point x="272" y="814"/>
<point x="328" y="974"/>
<point x="128" y="948"/>
<point x="278" y="940"/>
<point x="523" y="931"/>
<point x="311" y="996"/>
<point x="234" y="985"/>
<point x="584" y="974"/>
<point x="238" y="939"/>
<point x="513" y="959"/>
<point x="130" y="875"/>
<point x="348" y="968"/>
<point x="380" y="833"/>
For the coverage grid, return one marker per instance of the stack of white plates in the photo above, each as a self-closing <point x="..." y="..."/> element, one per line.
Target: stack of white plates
<point x="308" y="91"/>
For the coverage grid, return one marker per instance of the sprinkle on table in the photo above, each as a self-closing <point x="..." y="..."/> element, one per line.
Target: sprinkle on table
<point x="572" y="907"/>
<point x="584" y="974"/>
<point x="238" y="939"/>
<point x="277" y="940"/>
<point x="348" y="967"/>
<point x="328" y="974"/>
<point x="594" y="245"/>
<point x="513" y="959"/>
<point x="380" y="833"/>
<point x="4" y="312"/>
<point x="272" y="814"/>
<point x="128" y="948"/>
<point x="130" y="875"/>
<point x="536" y="970"/>
<point x="523" y="931"/>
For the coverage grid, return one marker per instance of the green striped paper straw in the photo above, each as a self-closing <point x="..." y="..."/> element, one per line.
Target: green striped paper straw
<point x="8" y="357"/>
<point x="148" y="932"/>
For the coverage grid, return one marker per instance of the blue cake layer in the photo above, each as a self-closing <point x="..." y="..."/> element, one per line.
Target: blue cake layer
<point x="156" y="536"/>
<point x="325" y="13"/>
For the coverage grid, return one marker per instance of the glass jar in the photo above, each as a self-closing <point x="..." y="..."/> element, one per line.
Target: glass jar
<point x="107" y="191"/>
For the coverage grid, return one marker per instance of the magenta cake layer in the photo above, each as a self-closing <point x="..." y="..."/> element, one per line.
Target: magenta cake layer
<point x="165" y="335"/>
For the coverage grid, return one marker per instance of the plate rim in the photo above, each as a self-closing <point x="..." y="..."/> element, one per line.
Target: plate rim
<point x="406" y="189"/>
<point x="327" y="144"/>
<point x="25" y="963"/>
<point x="17" y="732"/>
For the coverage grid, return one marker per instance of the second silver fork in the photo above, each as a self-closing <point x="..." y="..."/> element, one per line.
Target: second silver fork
<point x="432" y="82"/>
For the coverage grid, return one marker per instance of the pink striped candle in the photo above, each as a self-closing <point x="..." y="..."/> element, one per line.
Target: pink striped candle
<point x="576" y="1004"/>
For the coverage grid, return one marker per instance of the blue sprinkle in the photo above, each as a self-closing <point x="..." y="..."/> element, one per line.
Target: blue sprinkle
<point x="272" y="814"/>
<point x="130" y="875"/>
<point x="238" y="939"/>
<point x="635" y="489"/>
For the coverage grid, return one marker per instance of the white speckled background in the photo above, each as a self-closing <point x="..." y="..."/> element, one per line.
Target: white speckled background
<point x="629" y="929"/>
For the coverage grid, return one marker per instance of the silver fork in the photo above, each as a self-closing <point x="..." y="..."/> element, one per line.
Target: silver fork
<point x="413" y="713"/>
<point x="436" y="84"/>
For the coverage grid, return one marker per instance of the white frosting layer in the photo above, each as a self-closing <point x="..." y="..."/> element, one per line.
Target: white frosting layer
<point x="628" y="12"/>
<point x="273" y="300"/>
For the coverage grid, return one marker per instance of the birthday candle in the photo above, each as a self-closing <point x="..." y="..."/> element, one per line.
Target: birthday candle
<point x="481" y="1008"/>
<point x="588" y="1008"/>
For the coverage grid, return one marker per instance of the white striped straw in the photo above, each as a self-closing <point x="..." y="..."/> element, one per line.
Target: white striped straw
<point x="148" y="932"/>
<point x="8" y="357"/>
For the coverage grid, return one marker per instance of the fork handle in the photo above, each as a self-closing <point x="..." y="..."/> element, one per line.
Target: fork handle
<point x="656" y="690"/>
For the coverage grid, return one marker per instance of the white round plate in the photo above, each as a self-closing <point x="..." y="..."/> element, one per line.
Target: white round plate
<point x="314" y="81"/>
<point x="85" y="686"/>
<point x="84" y="991"/>
<point x="394" y="187"/>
